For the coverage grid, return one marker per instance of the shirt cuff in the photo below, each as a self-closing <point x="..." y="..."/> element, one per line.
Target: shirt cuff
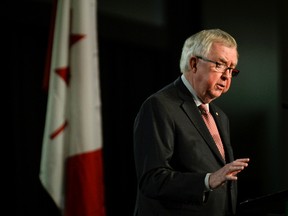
<point x="206" y="180"/>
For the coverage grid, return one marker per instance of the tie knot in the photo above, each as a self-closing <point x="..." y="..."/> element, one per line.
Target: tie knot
<point x="203" y="108"/>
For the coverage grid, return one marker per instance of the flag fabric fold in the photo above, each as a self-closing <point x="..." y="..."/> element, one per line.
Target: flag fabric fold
<point x="71" y="167"/>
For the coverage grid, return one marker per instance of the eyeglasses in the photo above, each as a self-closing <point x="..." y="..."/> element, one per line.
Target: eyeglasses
<point x="221" y="68"/>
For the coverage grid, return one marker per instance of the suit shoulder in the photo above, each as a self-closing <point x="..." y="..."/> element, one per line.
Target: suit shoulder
<point x="166" y="94"/>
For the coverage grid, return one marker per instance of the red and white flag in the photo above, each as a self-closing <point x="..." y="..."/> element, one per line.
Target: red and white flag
<point x="71" y="163"/>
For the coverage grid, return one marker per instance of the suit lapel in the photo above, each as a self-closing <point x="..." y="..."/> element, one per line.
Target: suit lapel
<point x="192" y="112"/>
<point x="195" y="117"/>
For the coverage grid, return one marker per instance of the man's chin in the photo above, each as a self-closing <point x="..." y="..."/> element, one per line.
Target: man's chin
<point x="217" y="94"/>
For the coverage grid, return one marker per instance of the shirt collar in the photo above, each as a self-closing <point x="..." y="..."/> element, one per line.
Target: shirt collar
<point x="192" y="91"/>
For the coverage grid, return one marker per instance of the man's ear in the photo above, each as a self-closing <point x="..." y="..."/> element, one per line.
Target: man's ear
<point x="193" y="63"/>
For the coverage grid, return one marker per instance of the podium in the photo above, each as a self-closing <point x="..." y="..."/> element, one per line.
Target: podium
<point x="275" y="204"/>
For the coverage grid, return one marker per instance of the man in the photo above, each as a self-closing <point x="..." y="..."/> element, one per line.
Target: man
<point x="183" y="167"/>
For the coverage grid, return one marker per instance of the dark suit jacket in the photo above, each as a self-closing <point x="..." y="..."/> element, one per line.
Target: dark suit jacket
<point x="174" y="151"/>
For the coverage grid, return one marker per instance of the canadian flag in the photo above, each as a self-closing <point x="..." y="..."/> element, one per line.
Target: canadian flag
<point x="71" y="163"/>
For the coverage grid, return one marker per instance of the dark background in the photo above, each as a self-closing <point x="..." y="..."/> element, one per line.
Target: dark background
<point x="137" y="57"/>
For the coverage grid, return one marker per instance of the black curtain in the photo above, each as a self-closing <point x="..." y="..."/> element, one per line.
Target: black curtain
<point x="25" y="32"/>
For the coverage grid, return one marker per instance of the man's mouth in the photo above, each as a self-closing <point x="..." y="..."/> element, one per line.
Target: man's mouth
<point x="220" y="86"/>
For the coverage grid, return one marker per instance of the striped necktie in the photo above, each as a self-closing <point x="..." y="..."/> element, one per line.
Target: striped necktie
<point x="210" y="123"/>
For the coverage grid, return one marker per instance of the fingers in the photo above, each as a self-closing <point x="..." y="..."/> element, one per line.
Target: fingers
<point x="228" y="172"/>
<point x="235" y="167"/>
<point x="240" y="163"/>
<point x="243" y="161"/>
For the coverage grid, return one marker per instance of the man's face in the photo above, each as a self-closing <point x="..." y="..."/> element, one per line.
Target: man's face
<point x="204" y="76"/>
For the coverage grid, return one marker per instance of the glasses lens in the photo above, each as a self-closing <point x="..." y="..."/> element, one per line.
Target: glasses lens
<point x="235" y="72"/>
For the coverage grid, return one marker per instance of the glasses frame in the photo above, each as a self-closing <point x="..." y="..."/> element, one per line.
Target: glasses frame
<point x="233" y="71"/>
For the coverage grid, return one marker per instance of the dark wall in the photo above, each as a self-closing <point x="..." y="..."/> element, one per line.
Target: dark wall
<point x="284" y="81"/>
<point x="25" y="31"/>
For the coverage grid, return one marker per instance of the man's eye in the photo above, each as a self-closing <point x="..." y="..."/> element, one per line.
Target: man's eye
<point x="218" y="65"/>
